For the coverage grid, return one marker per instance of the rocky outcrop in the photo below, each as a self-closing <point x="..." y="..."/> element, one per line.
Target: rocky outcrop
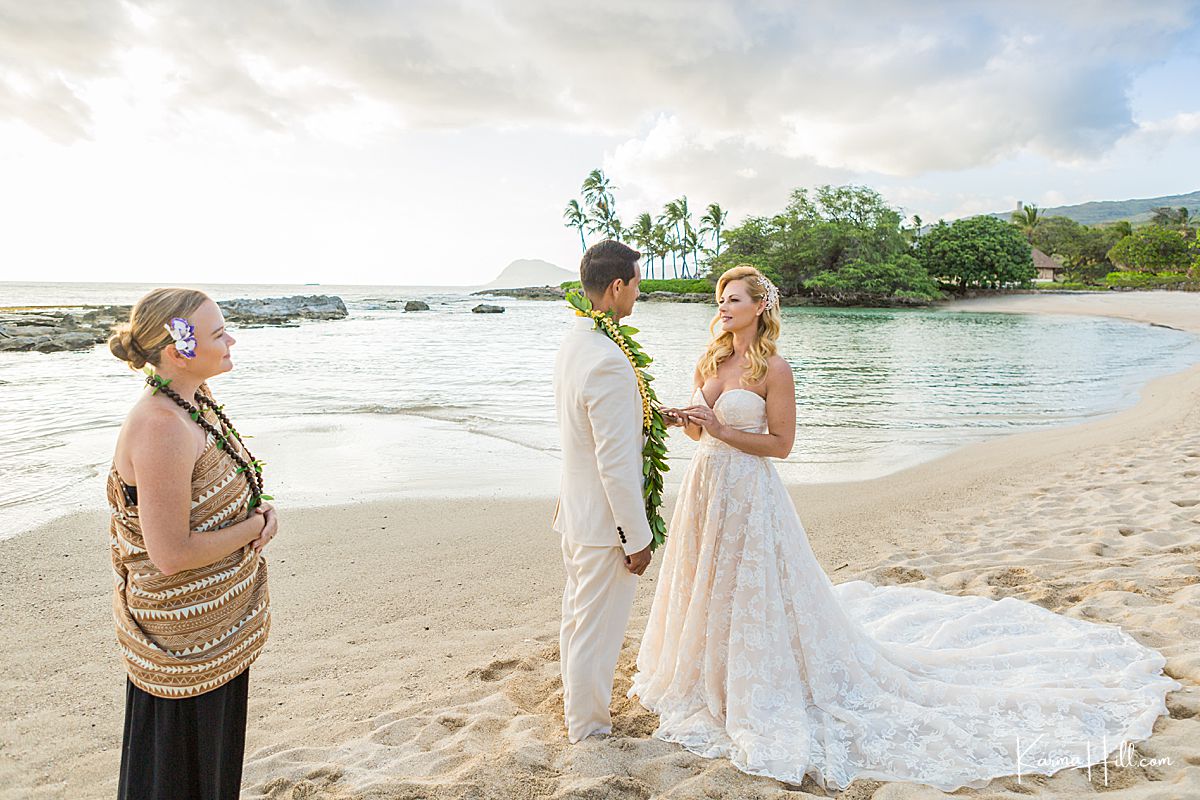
<point x="282" y="310"/>
<point x="676" y="297"/>
<point x="416" y="305"/>
<point x="484" y="308"/>
<point x="52" y="329"/>
<point x="529" y="293"/>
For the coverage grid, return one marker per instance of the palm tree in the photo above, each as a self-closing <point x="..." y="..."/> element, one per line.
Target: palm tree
<point x="597" y="187"/>
<point x="916" y="218"/>
<point x="1163" y="215"/>
<point x="688" y="239"/>
<point x="642" y="234"/>
<point x="669" y="223"/>
<point x="1026" y="219"/>
<point x="660" y="245"/>
<point x="573" y="217"/>
<point x="711" y="222"/>
<point x="603" y="219"/>
<point x="674" y="213"/>
<point x="691" y="241"/>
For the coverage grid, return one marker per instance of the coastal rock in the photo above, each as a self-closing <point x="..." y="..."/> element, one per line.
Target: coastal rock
<point x="528" y="292"/>
<point x="278" y="310"/>
<point x="677" y="297"/>
<point x="54" y="329"/>
<point x="51" y="330"/>
<point x="484" y="308"/>
<point x="416" y="305"/>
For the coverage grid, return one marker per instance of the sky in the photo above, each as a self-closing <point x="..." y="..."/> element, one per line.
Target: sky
<point x="433" y="142"/>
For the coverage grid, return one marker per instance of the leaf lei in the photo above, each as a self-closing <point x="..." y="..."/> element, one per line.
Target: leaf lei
<point x="252" y="467"/>
<point x="654" y="452"/>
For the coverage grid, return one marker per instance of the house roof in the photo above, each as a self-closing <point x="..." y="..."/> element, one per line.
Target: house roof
<point x="1043" y="261"/>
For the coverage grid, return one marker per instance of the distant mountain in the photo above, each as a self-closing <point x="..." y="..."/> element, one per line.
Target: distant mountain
<point x="531" y="272"/>
<point x="1099" y="211"/>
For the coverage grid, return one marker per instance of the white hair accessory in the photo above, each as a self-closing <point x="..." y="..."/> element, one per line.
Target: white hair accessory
<point x="772" y="298"/>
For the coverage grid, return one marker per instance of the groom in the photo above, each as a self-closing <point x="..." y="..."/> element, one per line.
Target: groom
<point x="601" y="513"/>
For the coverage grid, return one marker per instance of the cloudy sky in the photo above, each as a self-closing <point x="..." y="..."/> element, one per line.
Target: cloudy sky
<point x="358" y="141"/>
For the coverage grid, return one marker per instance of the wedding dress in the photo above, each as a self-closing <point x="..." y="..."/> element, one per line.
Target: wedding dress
<point x="752" y="653"/>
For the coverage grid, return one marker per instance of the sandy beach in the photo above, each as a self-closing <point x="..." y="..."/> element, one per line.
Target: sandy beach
<point x="413" y="652"/>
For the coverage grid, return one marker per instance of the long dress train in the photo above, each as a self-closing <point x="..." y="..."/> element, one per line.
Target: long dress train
<point x="752" y="653"/>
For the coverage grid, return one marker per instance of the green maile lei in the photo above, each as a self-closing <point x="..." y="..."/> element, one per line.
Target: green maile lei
<point x="654" y="452"/>
<point x="251" y="466"/>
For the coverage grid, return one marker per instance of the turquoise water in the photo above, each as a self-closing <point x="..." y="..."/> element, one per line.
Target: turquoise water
<point x="876" y="390"/>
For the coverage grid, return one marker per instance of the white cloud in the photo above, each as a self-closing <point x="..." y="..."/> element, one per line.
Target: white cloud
<point x="896" y="88"/>
<point x="736" y="101"/>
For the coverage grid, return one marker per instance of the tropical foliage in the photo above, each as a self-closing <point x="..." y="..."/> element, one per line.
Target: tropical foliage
<point x="840" y="244"/>
<point x="675" y="286"/>
<point x="977" y="252"/>
<point x="845" y="244"/>
<point x="673" y="233"/>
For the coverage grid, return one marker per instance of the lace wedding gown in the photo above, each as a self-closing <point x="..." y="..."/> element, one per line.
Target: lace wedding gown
<point x="752" y="653"/>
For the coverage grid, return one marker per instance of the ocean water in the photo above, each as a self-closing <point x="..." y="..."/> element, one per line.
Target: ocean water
<point x="876" y="390"/>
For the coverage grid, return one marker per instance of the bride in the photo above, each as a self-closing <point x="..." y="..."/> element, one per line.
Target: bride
<point x="752" y="653"/>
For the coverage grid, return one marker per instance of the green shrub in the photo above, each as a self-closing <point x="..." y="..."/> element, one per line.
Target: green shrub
<point x="678" y="286"/>
<point x="860" y="281"/>
<point x="1146" y="280"/>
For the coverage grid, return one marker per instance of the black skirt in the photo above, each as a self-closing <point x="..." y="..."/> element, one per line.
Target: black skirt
<point x="186" y="749"/>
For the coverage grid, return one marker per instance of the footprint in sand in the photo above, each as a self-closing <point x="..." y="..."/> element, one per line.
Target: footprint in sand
<point x="1186" y="503"/>
<point x="1013" y="576"/>
<point x="499" y="668"/>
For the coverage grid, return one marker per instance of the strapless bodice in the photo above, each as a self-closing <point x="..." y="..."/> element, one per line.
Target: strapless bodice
<point x="737" y="408"/>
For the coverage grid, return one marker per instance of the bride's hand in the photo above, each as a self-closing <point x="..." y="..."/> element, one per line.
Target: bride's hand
<point x="706" y="419"/>
<point x="673" y="417"/>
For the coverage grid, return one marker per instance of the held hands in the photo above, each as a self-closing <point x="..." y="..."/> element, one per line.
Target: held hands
<point x="270" y="527"/>
<point x="673" y="417"/>
<point x="705" y="418"/>
<point x="638" y="562"/>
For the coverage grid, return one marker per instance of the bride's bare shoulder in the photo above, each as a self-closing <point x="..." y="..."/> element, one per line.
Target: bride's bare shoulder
<point x="777" y="366"/>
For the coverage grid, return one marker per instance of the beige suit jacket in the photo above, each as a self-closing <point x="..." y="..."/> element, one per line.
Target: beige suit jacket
<point x="599" y="413"/>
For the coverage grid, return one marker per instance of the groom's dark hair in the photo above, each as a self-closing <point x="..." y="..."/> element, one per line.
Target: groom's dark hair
<point x="604" y="262"/>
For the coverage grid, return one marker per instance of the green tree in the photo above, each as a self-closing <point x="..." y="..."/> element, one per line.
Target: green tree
<point x="977" y="252"/>
<point x="1083" y="249"/>
<point x="660" y="245"/>
<point x="1177" y="218"/>
<point x="642" y="234"/>
<point x="711" y="224"/>
<point x="818" y="233"/>
<point x="1152" y="249"/>
<point x="901" y="278"/>
<point x="574" y="217"/>
<point x="597" y="187"/>
<point x="677" y="216"/>
<point x="603" y="219"/>
<point x="669" y="219"/>
<point x="1027" y="220"/>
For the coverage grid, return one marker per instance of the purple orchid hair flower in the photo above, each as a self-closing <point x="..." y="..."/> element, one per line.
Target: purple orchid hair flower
<point x="184" y="336"/>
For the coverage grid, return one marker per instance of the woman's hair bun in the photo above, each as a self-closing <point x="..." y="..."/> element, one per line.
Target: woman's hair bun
<point x="122" y="345"/>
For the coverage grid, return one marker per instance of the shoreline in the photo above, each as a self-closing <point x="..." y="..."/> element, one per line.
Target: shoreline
<point x="414" y="649"/>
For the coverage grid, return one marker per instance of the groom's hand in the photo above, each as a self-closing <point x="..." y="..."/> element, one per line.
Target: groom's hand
<point x="673" y="417"/>
<point x="638" y="562"/>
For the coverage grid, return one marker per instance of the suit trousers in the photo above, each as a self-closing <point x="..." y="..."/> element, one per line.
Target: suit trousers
<point x="597" y="599"/>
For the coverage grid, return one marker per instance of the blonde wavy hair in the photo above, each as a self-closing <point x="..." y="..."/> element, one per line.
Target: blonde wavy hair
<point x="769" y="324"/>
<point x="141" y="340"/>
